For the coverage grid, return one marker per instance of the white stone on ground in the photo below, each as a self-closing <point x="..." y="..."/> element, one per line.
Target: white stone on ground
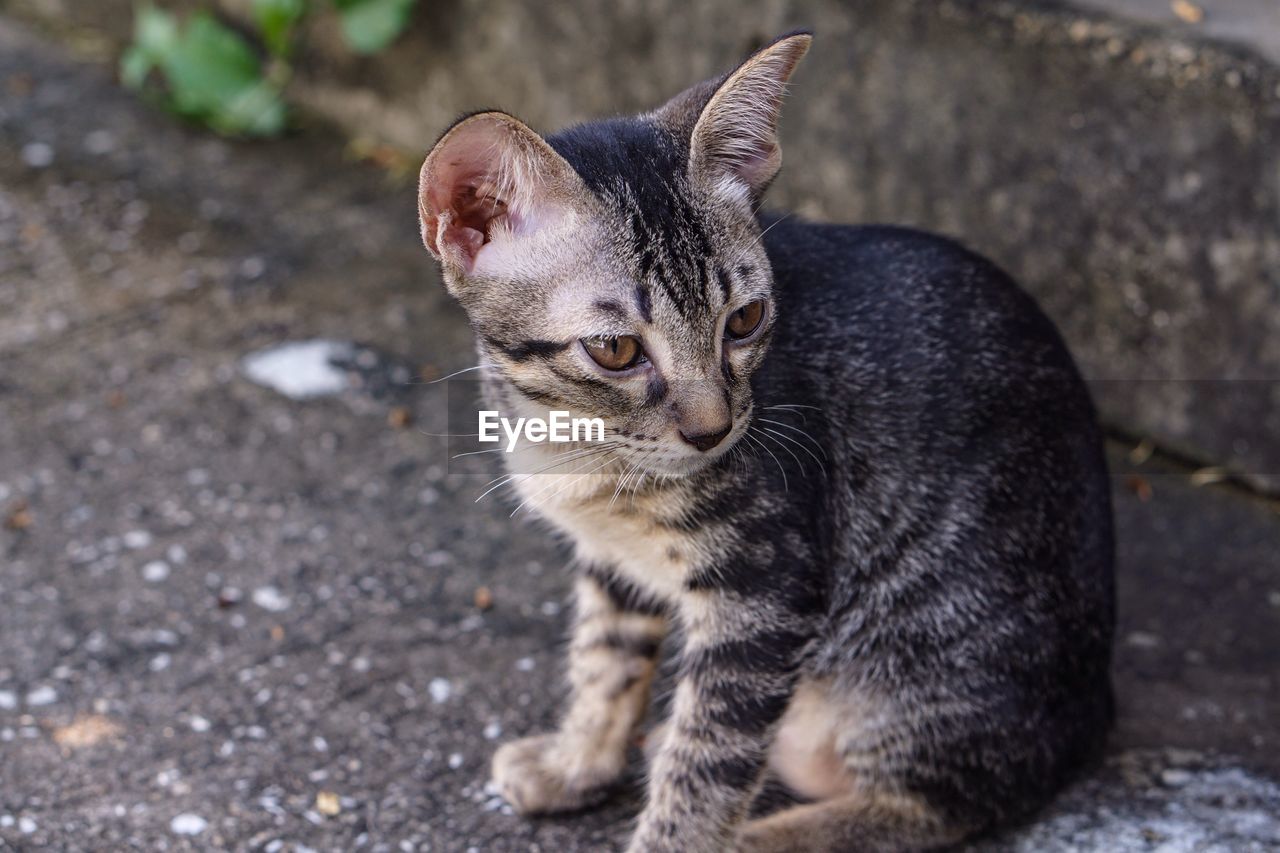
<point x="188" y="824"/>
<point x="271" y="599"/>
<point x="300" y="369"/>
<point x="155" y="571"/>
<point x="440" y="690"/>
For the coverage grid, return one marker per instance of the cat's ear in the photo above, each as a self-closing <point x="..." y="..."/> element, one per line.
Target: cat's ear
<point x="487" y="183"/>
<point x="736" y="132"/>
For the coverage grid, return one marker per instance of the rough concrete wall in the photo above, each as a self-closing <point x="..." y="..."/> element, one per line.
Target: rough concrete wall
<point x="1129" y="177"/>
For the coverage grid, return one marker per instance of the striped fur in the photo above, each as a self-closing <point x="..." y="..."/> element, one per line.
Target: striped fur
<point x="890" y="583"/>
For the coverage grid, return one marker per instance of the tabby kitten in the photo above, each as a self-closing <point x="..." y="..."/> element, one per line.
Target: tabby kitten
<point x="885" y="546"/>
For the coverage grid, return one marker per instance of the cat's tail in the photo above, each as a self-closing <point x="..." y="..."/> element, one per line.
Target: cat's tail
<point x="861" y="822"/>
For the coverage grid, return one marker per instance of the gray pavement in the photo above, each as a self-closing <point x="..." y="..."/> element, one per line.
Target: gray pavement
<point x="234" y="620"/>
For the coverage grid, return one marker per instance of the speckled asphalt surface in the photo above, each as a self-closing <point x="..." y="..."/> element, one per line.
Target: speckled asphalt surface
<point x="231" y="620"/>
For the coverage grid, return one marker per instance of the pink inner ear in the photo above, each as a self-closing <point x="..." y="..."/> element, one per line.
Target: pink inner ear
<point x="486" y="180"/>
<point x="461" y="200"/>
<point x="461" y="210"/>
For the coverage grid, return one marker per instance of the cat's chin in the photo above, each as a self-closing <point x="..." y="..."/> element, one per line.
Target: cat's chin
<point x="686" y="465"/>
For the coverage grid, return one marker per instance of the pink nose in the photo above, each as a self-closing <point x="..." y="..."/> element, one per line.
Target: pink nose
<point x="707" y="440"/>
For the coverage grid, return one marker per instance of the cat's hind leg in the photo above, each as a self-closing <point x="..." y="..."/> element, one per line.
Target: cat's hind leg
<point x="861" y="822"/>
<point x="849" y="809"/>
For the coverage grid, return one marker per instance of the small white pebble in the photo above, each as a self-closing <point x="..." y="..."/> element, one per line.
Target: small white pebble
<point x="319" y="744"/>
<point x="26" y="825"/>
<point x="271" y="599"/>
<point x="6" y="821"/>
<point x="136" y="539"/>
<point x="41" y="696"/>
<point x="155" y="571"/>
<point x="99" y="142"/>
<point x="1143" y="640"/>
<point x="37" y="155"/>
<point x="8" y="700"/>
<point x="455" y="761"/>
<point x="200" y="724"/>
<point x="440" y="690"/>
<point x="525" y="664"/>
<point x="253" y="267"/>
<point x="160" y="662"/>
<point x="176" y="554"/>
<point x="1175" y="778"/>
<point x="493" y="731"/>
<point x="188" y="824"/>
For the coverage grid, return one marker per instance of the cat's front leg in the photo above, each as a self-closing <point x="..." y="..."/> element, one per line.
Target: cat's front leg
<point x="612" y="658"/>
<point x="740" y="667"/>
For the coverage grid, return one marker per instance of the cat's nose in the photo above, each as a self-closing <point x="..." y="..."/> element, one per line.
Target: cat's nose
<point x="706" y="440"/>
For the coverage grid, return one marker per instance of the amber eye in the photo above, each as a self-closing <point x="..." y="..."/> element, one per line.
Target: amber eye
<point x="618" y="353"/>
<point x="745" y="320"/>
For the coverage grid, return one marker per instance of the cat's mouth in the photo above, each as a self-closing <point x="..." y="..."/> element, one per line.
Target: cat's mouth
<point x="676" y="457"/>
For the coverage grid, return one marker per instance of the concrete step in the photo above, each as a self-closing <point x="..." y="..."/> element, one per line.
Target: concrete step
<point x="1120" y="160"/>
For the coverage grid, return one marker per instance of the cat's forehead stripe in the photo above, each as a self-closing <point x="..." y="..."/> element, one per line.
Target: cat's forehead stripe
<point x="610" y="307"/>
<point x="644" y="302"/>
<point x="639" y="171"/>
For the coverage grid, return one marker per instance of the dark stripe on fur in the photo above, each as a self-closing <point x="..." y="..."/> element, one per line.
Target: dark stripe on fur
<point x="525" y="350"/>
<point x="628" y="642"/>
<point x="726" y="285"/>
<point x="644" y="303"/>
<point x="623" y="595"/>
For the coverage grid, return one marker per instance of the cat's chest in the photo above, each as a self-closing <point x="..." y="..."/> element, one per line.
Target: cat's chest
<point x="629" y="533"/>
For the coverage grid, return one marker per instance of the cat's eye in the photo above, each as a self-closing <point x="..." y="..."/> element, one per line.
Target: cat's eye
<point x="619" y="353"/>
<point x="743" y="322"/>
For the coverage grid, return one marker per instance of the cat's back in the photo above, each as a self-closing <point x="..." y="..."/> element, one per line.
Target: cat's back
<point x="904" y="300"/>
<point x="949" y="407"/>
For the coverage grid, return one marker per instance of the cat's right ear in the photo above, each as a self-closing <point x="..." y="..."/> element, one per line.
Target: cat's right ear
<point x="487" y="184"/>
<point x="732" y="123"/>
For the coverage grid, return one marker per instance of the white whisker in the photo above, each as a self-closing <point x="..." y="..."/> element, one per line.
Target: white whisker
<point x="607" y="460"/>
<point x="776" y="460"/>
<point x="816" y="443"/>
<point x="499" y="482"/>
<point x="455" y="373"/>
<point x="788" y="438"/>
<point x="774" y="436"/>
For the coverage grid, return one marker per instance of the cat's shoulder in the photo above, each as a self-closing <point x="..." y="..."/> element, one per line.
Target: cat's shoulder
<point x="794" y="242"/>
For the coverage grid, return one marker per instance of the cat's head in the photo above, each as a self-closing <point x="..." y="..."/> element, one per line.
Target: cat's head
<point x="616" y="269"/>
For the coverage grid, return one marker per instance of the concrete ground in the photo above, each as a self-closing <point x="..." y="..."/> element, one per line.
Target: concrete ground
<point x="234" y="620"/>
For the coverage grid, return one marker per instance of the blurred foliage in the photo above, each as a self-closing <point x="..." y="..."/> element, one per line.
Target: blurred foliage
<point x="234" y="81"/>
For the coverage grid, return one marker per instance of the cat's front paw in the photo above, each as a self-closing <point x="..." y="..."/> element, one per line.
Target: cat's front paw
<point x="539" y="775"/>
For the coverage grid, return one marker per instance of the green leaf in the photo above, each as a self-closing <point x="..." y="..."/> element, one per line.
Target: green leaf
<point x="155" y="31"/>
<point x="155" y="34"/>
<point x="214" y="76"/>
<point x="371" y="25"/>
<point x="276" y="20"/>
<point x="135" y="65"/>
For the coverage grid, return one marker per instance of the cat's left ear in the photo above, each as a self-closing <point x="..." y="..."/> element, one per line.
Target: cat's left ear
<point x="736" y="133"/>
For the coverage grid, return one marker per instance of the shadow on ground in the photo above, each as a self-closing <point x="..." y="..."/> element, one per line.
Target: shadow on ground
<point x="229" y="619"/>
